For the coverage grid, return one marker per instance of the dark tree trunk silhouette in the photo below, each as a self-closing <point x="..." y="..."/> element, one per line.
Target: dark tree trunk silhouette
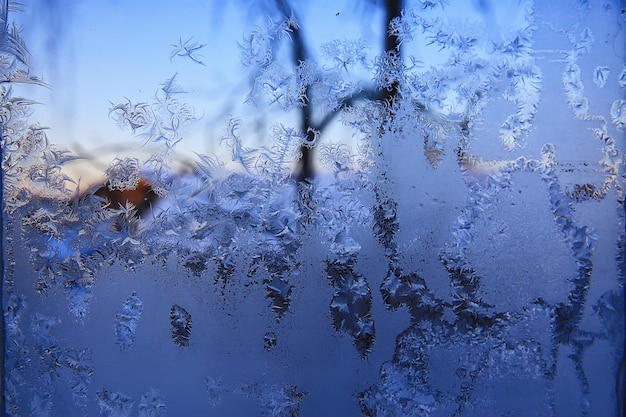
<point x="305" y="170"/>
<point x="300" y="54"/>
<point x="393" y="9"/>
<point x="3" y="267"/>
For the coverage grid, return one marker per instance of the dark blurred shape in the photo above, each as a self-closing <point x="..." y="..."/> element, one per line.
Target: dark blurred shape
<point x="180" y="325"/>
<point x="54" y="19"/>
<point x="621" y="388"/>
<point x="485" y="7"/>
<point x="141" y="197"/>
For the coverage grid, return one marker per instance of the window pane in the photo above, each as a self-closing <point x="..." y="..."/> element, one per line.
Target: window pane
<point x="348" y="208"/>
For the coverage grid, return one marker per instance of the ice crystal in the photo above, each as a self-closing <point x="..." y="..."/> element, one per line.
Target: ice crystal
<point x="161" y="122"/>
<point x="600" y="75"/>
<point x="345" y="54"/>
<point x="431" y="4"/>
<point x="256" y="49"/>
<point x="621" y="79"/>
<point x="389" y="71"/>
<point x="56" y="362"/>
<point x="239" y="153"/>
<point x="126" y="321"/>
<point x="16" y="354"/>
<point x="610" y="309"/>
<point x="403" y="27"/>
<point x="275" y="162"/>
<point x="585" y="41"/>
<point x="257" y="46"/>
<point x="114" y="404"/>
<point x="152" y="405"/>
<point x="79" y="292"/>
<point x="399" y="392"/>
<point x="351" y="303"/>
<point x="215" y="390"/>
<point x="123" y="174"/>
<point x="269" y="341"/>
<point x="282" y="86"/>
<point x="136" y="116"/>
<point x="281" y="401"/>
<point x="79" y="364"/>
<point x="618" y="113"/>
<point x="524" y="92"/>
<point x="180" y="325"/>
<point x="187" y="49"/>
<point x="335" y="157"/>
<point x="41" y="404"/>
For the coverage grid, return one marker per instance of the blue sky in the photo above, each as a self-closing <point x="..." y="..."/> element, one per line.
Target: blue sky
<point x="107" y="50"/>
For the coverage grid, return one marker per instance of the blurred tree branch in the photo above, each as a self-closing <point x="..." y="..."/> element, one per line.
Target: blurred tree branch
<point x="300" y="53"/>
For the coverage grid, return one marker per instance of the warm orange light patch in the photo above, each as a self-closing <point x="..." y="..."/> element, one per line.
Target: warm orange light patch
<point x="141" y="197"/>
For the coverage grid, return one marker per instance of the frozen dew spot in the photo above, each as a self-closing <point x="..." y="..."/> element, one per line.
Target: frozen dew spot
<point x="126" y="321"/>
<point x="215" y="390"/>
<point x="618" y="113"/>
<point x="621" y="80"/>
<point x="351" y="304"/>
<point x="269" y="341"/>
<point x="516" y="360"/>
<point x="579" y="105"/>
<point x="283" y="401"/>
<point x="610" y="309"/>
<point x="41" y="325"/>
<point x="79" y="363"/>
<point x="79" y="294"/>
<point x="41" y="404"/>
<point x="180" y="325"/>
<point x="279" y="292"/>
<point x="586" y="41"/>
<point x="401" y="391"/>
<point x="196" y="263"/>
<point x="600" y="75"/>
<point x="152" y="404"/>
<point x="114" y="404"/>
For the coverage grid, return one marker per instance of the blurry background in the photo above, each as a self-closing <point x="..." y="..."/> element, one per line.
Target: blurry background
<point x="95" y="53"/>
<point x="527" y="231"/>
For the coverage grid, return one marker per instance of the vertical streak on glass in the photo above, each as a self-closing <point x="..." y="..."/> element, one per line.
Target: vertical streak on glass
<point x="3" y="266"/>
<point x="620" y="380"/>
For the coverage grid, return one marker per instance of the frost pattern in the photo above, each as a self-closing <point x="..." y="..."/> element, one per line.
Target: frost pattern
<point x="16" y="354"/>
<point x="215" y="390"/>
<point x="281" y="401"/>
<point x="180" y="325"/>
<point x="56" y="362"/>
<point x="351" y="303"/>
<point x="152" y="405"/>
<point x="247" y="225"/>
<point x="114" y="404"/>
<point x="525" y="89"/>
<point x="618" y="113"/>
<point x="600" y="75"/>
<point x="126" y="321"/>
<point x="123" y="174"/>
<point x="621" y="80"/>
<point x="276" y="400"/>
<point x="345" y="54"/>
<point x="187" y="49"/>
<point x="162" y="122"/>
